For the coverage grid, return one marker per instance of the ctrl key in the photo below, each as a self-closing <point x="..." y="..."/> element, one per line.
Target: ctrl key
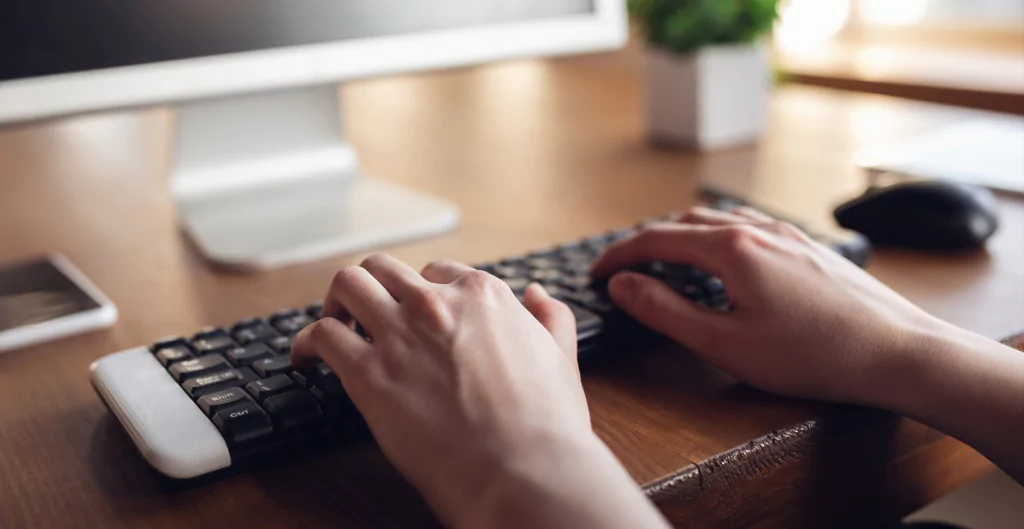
<point x="243" y="423"/>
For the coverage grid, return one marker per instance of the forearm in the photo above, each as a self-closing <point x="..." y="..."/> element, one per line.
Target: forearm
<point x="966" y="386"/>
<point x="580" y="484"/>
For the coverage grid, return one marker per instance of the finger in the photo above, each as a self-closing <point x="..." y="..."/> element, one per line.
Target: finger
<point x="752" y="214"/>
<point x="355" y="294"/>
<point x="331" y="340"/>
<point x="555" y="316"/>
<point x="711" y="217"/>
<point x="397" y="277"/>
<point x="656" y="305"/>
<point x="694" y="245"/>
<point x="445" y="271"/>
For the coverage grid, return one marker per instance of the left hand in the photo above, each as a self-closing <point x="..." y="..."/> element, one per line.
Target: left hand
<point x="460" y="383"/>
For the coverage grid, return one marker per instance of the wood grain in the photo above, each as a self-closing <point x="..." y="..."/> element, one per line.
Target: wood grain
<point x="534" y="152"/>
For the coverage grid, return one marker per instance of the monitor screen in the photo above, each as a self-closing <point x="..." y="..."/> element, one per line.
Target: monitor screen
<point x="47" y="37"/>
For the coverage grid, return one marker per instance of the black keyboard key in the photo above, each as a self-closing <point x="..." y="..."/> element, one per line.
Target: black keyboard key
<point x="282" y="314"/>
<point x="294" y="410"/>
<point x="211" y="403"/>
<point x="588" y="324"/>
<point x="293" y="324"/>
<point x="174" y="353"/>
<point x="210" y="332"/>
<point x="267" y="387"/>
<point x="300" y="379"/>
<point x="281" y="345"/>
<point x="245" y="356"/>
<point x="575" y="282"/>
<point x="321" y="376"/>
<point x="202" y="385"/>
<point x="243" y="423"/>
<point x="536" y="262"/>
<point x="196" y="367"/>
<point x="268" y="367"/>
<point x="254" y="332"/>
<point x="517" y="284"/>
<point x="170" y="341"/>
<point x="217" y="343"/>
<point x="547" y="275"/>
<point x="337" y="406"/>
<point x="593" y="301"/>
<point x="508" y="271"/>
<point x="315" y="311"/>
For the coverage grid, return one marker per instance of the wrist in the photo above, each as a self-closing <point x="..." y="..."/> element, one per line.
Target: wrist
<point x="559" y="481"/>
<point x="909" y="366"/>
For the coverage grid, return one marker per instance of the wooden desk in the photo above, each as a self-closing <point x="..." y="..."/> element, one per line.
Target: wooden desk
<point x="955" y="74"/>
<point x="535" y="153"/>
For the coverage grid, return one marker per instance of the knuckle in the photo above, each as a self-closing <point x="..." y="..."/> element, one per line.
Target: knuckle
<point x="738" y="238"/>
<point x="373" y="260"/>
<point x="785" y="228"/>
<point x="346" y="275"/>
<point x="483" y="282"/>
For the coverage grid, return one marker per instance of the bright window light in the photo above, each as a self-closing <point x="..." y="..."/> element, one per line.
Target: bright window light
<point x="892" y="12"/>
<point x="805" y="23"/>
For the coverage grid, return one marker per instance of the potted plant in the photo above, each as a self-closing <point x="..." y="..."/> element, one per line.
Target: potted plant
<point x="707" y="69"/>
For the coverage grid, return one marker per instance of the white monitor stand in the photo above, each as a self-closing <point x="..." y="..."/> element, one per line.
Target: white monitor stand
<point x="268" y="180"/>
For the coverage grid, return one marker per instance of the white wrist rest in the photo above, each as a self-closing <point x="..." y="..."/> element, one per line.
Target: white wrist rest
<point x="168" y="428"/>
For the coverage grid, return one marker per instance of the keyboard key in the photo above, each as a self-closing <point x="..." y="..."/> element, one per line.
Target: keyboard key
<point x="268" y="367"/>
<point x="243" y="423"/>
<point x="517" y="284"/>
<point x="261" y="389"/>
<point x="315" y="310"/>
<point x="174" y="353"/>
<point x="294" y="410"/>
<point x="254" y="332"/>
<point x="293" y="324"/>
<point x="196" y="367"/>
<point x="216" y="343"/>
<point x="211" y="403"/>
<point x="321" y="376"/>
<point x="170" y="341"/>
<point x="281" y="345"/>
<point x="245" y="356"/>
<point x="540" y="262"/>
<point x="210" y="332"/>
<point x="593" y="301"/>
<point x="575" y="282"/>
<point x="282" y="314"/>
<point x="545" y="274"/>
<point x="300" y="379"/>
<point x="588" y="324"/>
<point x="199" y="386"/>
<point x="505" y="271"/>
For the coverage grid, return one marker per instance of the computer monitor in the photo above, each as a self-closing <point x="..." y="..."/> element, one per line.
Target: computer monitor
<point x="262" y="174"/>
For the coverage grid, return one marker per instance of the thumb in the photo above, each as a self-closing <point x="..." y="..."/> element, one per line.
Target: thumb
<point x="555" y="316"/>
<point x="654" y="304"/>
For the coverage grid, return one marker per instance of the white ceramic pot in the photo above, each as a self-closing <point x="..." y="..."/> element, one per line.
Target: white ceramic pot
<point x="711" y="99"/>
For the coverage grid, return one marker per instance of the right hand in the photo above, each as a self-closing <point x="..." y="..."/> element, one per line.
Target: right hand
<point x="803" y="322"/>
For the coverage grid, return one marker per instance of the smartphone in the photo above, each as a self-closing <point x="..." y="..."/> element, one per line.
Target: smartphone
<point x="46" y="299"/>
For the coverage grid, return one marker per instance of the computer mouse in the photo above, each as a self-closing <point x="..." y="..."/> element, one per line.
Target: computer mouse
<point x="926" y="215"/>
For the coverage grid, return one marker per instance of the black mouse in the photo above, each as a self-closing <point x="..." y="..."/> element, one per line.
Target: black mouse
<point x="926" y="215"/>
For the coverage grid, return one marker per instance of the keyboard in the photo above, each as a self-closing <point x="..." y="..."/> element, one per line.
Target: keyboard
<point x="226" y="396"/>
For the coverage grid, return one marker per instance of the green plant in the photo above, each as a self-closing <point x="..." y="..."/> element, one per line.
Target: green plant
<point x="684" y="26"/>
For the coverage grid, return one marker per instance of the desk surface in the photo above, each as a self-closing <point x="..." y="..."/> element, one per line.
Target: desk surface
<point x="534" y="152"/>
<point x="955" y="73"/>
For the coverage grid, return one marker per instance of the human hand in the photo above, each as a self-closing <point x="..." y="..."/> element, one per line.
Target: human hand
<point x="473" y="396"/>
<point x="803" y="321"/>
